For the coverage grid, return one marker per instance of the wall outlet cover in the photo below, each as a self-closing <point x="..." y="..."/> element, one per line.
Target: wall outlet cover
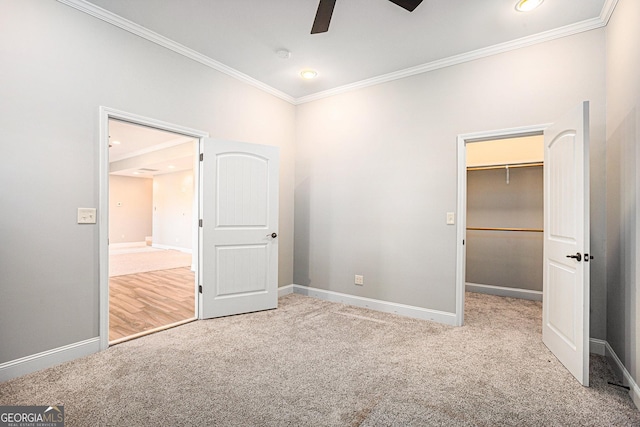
<point x="86" y="215"/>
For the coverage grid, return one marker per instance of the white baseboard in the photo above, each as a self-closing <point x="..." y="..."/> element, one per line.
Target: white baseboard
<point x="285" y="290"/>
<point x="385" y="306"/>
<point x="169" y="247"/>
<point x="597" y="346"/>
<point x="126" y="245"/>
<point x="47" y="359"/>
<point x="502" y="291"/>
<point x="627" y="379"/>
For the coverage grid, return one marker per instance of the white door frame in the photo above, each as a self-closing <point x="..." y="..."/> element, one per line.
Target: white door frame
<point x="106" y="113"/>
<point x="461" y="230"/>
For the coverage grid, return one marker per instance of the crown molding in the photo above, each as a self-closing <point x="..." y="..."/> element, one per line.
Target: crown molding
<point x="568" y="30"/>
<point x="154" y="37"/>
<point x="591" y="24"/>
<point x="607" y="10"/>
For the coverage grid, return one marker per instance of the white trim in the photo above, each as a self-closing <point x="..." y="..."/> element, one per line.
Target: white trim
<point x="152" y="36"/>
<point x="607" y="10"/>
<point x="597" y="346"/>
<point x="568" y="30"/>
<point x="504" y="291"/>
<point x="127" y="245"/>
<point x="634" y="391"/>
<point x="47" y="359"/>
<point x="151" y="149"/>
<point x="461" y="231"/>
<point x="285" y="290"/>
<point x="105" y="113"/>
<point x="172" y="248"/>
<point x="378" y="305"/>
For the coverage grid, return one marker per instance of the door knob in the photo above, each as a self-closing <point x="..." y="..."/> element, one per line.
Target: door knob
<point x="577" y="257"/>
<point x="274" y="235"/>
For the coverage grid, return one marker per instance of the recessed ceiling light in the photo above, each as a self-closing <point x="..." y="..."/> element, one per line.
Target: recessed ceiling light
<point x="527" y="5"/>
<point x="309" y="74"/>
<point x="171" y="167"/>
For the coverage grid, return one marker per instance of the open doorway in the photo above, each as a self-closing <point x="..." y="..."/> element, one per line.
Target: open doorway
<point x="505" y="217"/>
<point x="152" y="230"/>
<point x="495" y="154"/>
<point x="229" y="230"/>
<point x="566" y="259"/>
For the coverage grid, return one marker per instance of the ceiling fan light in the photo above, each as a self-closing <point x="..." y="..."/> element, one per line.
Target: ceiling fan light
<point x="309" y="74"/>
<point x="527" y="5"/>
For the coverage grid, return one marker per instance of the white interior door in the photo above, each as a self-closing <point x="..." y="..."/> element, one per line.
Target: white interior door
<point x="238" y="236"/>
<point x="565" y="312"/>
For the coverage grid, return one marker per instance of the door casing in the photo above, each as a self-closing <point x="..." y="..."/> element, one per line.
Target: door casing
<point x="461" y="206"/>
<point x="106" y="113"/>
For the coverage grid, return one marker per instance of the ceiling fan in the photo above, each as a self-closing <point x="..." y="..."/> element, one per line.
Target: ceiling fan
<point x="325" y="10"/>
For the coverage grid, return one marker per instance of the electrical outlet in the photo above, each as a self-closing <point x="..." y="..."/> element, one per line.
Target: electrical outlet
<point x="359" y="280"/>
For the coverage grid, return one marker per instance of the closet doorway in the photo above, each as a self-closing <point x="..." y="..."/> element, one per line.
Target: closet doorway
<point x="152" y="230"/>
<point x="505" y="217"/>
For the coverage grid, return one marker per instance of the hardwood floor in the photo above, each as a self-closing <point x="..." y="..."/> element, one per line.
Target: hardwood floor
<point x="145" y="301"/>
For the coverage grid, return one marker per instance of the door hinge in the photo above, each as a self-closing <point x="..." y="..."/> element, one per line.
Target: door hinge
<point x="201" y="156"/>
<point x="200" y="222"/>
<point x="200" y="288"/>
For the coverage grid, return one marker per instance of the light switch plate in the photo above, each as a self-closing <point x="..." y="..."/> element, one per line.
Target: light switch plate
<point x="86" y="215"/>
<point x="451" y="218"/>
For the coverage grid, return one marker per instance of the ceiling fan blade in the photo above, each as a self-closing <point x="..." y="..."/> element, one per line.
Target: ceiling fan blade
<point x="410" y="5"/>
<point x="323" y="16"/>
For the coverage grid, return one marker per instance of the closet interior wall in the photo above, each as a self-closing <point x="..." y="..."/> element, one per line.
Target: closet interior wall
<point x="504" y="227"/>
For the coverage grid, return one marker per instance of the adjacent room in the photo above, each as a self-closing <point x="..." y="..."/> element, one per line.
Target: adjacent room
<point x="152" y="230"/>
<point x="313" y="212"/>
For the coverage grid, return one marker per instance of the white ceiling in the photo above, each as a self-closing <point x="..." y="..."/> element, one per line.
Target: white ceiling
<point x="367" y="38"/>
<point x="144" y="152"/>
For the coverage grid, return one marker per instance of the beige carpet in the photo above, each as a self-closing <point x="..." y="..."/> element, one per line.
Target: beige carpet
<point x="315" y="363"/>
<point x="144" y="259"/>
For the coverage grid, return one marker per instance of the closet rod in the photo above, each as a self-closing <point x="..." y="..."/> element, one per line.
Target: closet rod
<point x="516" y="165"/>
<point x="528" y="230"/>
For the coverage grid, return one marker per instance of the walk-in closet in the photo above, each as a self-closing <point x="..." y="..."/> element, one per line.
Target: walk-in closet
<point x="504" y="239"/>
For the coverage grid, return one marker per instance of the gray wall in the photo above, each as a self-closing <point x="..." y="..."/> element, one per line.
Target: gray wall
<point x="58" y="66"/>
<point x="376" y="168"/>
<point x="505" y="258"/>
<point x="623" y="137"/>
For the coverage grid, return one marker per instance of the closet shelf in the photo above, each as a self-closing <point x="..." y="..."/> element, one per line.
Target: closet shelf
<point x="527" y="230"/>
<point x="515" y="165"/>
